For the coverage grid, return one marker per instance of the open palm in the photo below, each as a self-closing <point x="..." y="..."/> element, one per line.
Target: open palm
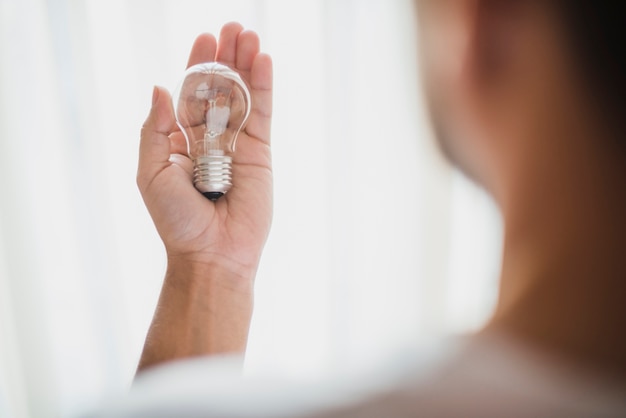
<point x="231" y="231"/>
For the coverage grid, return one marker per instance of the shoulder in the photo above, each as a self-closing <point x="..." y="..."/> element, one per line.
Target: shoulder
<point x="471" y="377"/>
<point x="491" y="376"/>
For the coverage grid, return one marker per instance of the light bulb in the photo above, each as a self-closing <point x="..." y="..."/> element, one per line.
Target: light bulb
<point x="212" y="105"/>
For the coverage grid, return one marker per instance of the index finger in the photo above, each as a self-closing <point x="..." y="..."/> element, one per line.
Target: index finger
<point x="203" y="50"/>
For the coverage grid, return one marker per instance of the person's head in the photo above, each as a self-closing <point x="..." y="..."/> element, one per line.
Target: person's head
<point x="513" y="82"/>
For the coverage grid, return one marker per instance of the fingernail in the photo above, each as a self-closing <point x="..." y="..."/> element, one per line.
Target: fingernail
<point x="155" y="95"/>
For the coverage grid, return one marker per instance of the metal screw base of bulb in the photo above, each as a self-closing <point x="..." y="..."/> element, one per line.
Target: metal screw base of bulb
<point x="212" y="175"/>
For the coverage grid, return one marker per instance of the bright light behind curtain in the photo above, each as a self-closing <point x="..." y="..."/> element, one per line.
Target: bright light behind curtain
<point x="376" y="243"/>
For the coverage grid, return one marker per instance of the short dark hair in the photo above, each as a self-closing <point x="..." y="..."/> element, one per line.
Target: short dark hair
<point x="597" y="29"/>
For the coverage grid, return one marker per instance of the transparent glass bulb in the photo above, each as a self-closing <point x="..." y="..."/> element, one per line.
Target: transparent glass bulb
<point x="212" y="105"/>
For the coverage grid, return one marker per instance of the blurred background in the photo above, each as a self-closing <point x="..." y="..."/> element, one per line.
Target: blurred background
<point x="377" y="243"/>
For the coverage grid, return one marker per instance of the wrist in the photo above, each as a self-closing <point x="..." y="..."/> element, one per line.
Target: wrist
<point x="203" y="272"/>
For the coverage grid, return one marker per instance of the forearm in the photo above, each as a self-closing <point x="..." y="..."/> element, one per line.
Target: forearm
<point x="203" y="309"/>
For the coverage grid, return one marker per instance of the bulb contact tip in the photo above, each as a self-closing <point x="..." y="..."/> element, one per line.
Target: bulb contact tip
<point x="213" y="196"/>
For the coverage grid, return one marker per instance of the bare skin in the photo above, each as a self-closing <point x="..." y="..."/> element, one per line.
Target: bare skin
<point x="513" y="112"/>
<point x="213" y="249"/>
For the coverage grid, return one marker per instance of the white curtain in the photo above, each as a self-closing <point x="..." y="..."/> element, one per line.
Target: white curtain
<point x="376" y="242"/>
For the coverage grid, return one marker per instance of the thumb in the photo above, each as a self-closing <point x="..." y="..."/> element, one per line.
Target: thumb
<point x="154" y="147"/>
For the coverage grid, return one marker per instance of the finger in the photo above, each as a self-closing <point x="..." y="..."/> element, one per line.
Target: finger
<point x="154" y="147"/>
<point x="178" y="144"/>
<point x="203" y="50"/>
<point x="248" y="47"/>
<point x="259" y="123"/>
<point x="227" y="46"/>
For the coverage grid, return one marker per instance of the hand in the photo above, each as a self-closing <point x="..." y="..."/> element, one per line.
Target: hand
<point x="231" y="232"/>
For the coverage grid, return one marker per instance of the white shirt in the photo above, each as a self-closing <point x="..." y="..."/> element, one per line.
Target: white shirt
<point x="483" y="376"/>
